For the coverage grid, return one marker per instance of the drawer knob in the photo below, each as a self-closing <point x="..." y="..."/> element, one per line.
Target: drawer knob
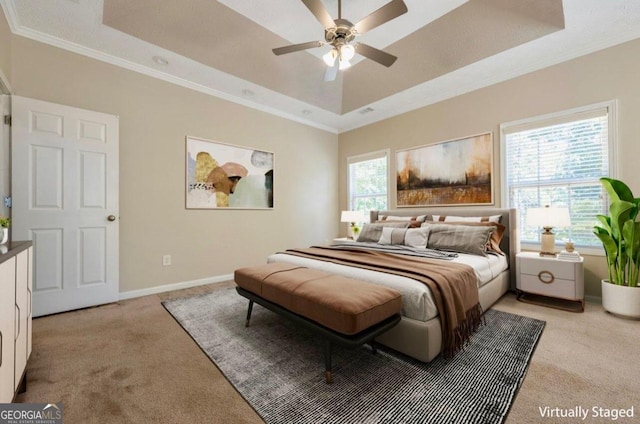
<point x="546" y="277"/>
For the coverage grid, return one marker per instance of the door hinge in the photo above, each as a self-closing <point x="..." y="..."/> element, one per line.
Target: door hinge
<point x="7" y="120"/>
<point x="7" y="202"/>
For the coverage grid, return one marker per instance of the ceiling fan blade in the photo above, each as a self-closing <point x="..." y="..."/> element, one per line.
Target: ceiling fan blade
<point x="332" y="72"/>
<point x="320" y="12"/>
<point x="297" y="47"/>
<point x="389" y="11"/>
<point x="376" y="55"/>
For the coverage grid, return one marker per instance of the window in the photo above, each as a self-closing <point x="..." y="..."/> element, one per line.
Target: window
<point x="557" y="160"/>
<point x="368" y="182"/>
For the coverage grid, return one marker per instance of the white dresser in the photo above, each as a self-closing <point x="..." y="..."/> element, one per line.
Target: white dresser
<point x="551" y="277"/>
<point x="15" y="317"/>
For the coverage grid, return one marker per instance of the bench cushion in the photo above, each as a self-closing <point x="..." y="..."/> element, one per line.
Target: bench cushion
<point x="345" y="305"/>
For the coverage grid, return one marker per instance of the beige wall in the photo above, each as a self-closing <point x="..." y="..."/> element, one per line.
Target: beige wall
<point x="5" y="47"/>
<point x="155" y="117"/>
<point x="605" y="75"/>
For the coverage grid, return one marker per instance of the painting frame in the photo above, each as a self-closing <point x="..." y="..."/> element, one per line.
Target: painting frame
<point x="456" y="172"/>
<point x="223" y="176"/>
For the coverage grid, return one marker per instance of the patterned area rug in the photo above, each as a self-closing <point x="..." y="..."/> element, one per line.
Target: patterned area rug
<point x="279" y="369"/>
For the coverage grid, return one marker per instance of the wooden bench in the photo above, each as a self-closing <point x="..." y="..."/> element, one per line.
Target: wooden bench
<point x="341" y="310"/>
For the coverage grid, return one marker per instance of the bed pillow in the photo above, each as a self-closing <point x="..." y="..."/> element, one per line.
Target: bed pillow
<point x="392" y="235"/>
<point x="413" y="237"/>
<point x="412" y="224"/>
<point x="372" y="232"/>
<point x="451" y="218"/>
<point x="417" y="237"/>
<point x="420" y="218"/>
<point x="459" y="238"/>
<point x="493" y="244"/>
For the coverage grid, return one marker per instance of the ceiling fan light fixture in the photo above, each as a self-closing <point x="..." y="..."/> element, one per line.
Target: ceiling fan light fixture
<point x="347" y="51"/>
<point x="330" y="57"/>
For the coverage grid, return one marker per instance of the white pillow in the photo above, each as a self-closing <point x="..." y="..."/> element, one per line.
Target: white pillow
<point x="451" y="218"/>
<point x="402" y="218"/>
<point x="417" y="237"/>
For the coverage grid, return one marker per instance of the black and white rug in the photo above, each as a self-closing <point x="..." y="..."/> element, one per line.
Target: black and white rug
<point x="279" y="369"/>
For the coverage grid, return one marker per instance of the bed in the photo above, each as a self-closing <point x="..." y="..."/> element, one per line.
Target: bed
<point x="419" y="332"/>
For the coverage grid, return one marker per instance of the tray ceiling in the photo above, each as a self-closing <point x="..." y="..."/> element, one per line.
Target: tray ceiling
<point x="224" y="47"/>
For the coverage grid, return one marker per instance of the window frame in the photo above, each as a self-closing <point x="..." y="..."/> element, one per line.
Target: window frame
<point x="363" y="157"/>
<point x="555" y="118"/>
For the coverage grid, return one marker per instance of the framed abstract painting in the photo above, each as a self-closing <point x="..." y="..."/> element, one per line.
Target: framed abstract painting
<point x="455" y="172"/>
<point x="221" y="175"/>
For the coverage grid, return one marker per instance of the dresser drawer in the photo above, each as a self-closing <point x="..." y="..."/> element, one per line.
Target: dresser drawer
<point x="565" y="289"/>
<point x="559" y="269"/>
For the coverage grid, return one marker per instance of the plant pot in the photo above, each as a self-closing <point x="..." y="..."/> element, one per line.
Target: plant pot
<point x="4" y="235"/>
<point x="621" y="300"/>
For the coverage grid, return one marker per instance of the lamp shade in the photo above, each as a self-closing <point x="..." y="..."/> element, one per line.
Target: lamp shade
<point x="347" y="51"/>
<point x="330" y="57"/>
<point x="352" y="216"/>
<point x="548" y="217"/>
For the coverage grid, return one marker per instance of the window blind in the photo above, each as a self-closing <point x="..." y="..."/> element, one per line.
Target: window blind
<point x="558" y="162"/>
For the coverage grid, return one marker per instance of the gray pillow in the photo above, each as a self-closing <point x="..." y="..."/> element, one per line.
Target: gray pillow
<point x="459" y="238"/>
<point x="372" y="232"/>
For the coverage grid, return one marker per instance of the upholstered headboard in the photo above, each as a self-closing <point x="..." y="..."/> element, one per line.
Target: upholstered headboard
<point x="509" y="218"/>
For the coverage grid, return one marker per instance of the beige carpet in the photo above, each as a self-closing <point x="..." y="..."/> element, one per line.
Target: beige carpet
<point x="130" y="362"/>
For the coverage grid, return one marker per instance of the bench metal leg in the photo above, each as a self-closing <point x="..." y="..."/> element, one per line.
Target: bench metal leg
<point x="246" y="324"/>
<point x="374" y="348"/>
<point x="327" y="360"/>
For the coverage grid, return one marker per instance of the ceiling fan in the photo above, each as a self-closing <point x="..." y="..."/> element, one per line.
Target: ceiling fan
<point x="339" y="34"/>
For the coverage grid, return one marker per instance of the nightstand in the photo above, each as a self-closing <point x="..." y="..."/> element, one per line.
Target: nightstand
<point x="551" y="278"/>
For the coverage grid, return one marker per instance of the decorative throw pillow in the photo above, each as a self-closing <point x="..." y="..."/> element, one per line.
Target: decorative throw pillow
<point x="496" y="237"/>
<point x="392" y="235"/>
<point x="459" y="238"/>
<point x="413" y="237"/>
<point x="372" y="232"/>
<point x="451" y="218"/>
<point x="417" y="237"/>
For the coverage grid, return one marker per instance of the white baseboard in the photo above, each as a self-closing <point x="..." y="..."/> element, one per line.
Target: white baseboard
<point x="175" y="286"/>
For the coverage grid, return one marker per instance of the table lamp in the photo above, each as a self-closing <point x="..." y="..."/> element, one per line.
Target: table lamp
<point x="351" y="217"/>
<point x="547" y="218"/>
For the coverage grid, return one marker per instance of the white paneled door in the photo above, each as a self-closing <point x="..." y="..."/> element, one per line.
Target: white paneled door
<point x="65" y="199"/>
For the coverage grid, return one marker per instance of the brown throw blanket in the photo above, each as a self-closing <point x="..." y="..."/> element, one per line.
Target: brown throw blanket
<point x="454" y="286"/>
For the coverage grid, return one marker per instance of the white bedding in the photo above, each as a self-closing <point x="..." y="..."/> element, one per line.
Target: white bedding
<point x="417" y="302"/>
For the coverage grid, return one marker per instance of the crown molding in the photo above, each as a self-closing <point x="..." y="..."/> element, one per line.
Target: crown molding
<point x="21" y="30"/>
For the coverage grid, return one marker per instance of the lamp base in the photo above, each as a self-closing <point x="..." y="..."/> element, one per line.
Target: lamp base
<point x="547" y="243"/>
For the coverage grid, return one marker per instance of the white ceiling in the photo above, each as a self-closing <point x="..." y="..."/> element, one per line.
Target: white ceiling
<point x="77" y="25"/>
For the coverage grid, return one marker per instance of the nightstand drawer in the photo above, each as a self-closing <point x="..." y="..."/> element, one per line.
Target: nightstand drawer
<point x="559" y="269"/>
<point x="558" y="287"/>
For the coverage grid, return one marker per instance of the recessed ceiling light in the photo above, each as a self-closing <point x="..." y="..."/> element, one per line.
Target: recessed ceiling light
<point x="366" y="110"/>
<point x="306" y="112"/>
<point x="160" y="60"/>
<point x="247" y="92"/>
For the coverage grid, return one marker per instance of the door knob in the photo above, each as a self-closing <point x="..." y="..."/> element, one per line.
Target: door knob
<point x="111" y="217"/>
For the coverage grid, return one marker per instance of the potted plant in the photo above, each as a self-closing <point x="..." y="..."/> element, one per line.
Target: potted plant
<point x="619" y="233"/>
<point x="4" y="228"/>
